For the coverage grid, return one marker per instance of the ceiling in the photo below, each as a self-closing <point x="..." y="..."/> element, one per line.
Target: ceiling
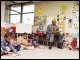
<point x="13" y="2"/>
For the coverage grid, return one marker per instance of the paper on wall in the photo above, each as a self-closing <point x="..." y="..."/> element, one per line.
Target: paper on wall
<point x="23" y="28"/>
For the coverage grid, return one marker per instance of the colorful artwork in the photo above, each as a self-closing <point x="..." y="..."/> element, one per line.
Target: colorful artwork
<point x="61" y="25"/>
<point x="75" y="7"/>
<point x="40" y="11"/>
<point x="63" y="8"/>
<point x="40" y="19"/>
<point x="70" y="23"/>
<point x="61" y="21"/>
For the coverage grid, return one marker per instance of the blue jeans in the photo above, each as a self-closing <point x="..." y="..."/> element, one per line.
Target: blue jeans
<point x="18" y="48"/>
<point x="35" y="42"/>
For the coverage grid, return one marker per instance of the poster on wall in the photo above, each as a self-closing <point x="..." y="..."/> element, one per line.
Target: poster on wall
<point x="40" y="19"/>
<point x="23" y="28"/>
<point x="40" y="11"/>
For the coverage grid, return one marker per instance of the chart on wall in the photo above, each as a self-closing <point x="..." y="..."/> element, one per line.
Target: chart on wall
<point x="40" y="19"/>
<point x="23" y="28"/>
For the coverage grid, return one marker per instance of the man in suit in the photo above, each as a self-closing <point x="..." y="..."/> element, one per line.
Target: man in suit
<point x="53" y="34"/>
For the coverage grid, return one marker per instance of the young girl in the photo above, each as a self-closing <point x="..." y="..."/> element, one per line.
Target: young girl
<point x="73" y="44"/>
<point x="23" y="41"/>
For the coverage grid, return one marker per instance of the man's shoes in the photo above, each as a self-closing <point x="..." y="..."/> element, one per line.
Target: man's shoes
<point x="60" y="47"/>
<point x="50" y="47"/>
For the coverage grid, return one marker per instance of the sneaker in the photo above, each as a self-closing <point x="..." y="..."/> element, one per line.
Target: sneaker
<point x="60" y="47"/>
<point x="50" y="47"/>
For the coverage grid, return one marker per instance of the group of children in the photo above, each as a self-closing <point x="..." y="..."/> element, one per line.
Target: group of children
<point x="9" y="43"/>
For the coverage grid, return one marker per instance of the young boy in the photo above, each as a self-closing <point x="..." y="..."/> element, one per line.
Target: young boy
<point x="23" y="41"/>
<point x="35" y="41"/>
<point x="6" y="45"/>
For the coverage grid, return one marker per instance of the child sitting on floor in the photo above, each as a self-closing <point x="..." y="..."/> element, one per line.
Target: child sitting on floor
<point x="23" y="41"/>
<point x="73" y="44"/>
<point x="6" y="45"/>
<point x="35" y="41"/>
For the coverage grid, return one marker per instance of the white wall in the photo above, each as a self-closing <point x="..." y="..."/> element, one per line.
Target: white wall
<point x="51" y="9"/>
<point x="2" y="10"/>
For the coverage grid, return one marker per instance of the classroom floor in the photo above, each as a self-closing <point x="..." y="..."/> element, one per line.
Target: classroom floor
<point x="45" y="53"/>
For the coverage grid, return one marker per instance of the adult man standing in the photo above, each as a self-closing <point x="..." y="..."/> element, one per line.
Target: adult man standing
<point x="54" y="34"/>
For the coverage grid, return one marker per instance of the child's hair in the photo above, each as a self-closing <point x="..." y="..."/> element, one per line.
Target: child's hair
<point x="74" y="42"/>
<point x="19" y="34"/>
<point x="12" y="34"/>
<point x="24" y="34"/>
<point x="75" y="39"/>
<point x="36" y="35"/>
<point x="63" y="41"/>
<point x="6" y="35"/>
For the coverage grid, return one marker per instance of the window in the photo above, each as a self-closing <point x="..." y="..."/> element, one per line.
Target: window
<point x="16" y="8"/>
<point x="15" y="14"/>
<point x="28" y="18"/>
<point x="28" y="8"/>
<point x="15" y="19"/>
<point x="12" y="12"/>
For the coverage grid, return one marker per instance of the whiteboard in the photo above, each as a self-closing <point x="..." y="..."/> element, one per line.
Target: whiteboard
<point x="23" y="28"/>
